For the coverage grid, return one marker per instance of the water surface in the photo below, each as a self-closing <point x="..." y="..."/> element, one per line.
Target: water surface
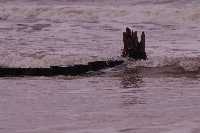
<point x="160" y="95"/>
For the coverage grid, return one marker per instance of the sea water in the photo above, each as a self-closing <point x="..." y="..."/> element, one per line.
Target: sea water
<point x="160" y="95"/>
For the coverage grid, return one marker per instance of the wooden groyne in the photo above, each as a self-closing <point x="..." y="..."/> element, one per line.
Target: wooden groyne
<point x="59" y="70"/>
<point x="132" y="49"/>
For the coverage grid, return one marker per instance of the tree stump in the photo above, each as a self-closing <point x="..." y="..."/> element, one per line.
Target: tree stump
<point x="132" y="47"/>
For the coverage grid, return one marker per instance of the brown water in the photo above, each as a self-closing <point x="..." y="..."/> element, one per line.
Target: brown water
<point x="160" y="95"/>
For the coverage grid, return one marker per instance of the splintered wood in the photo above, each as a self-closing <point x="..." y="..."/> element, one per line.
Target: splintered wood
<point x="132" y="47"/>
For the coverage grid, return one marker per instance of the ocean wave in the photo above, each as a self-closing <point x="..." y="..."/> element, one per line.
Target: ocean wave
<point x="155" y="13"/>
<point x="184" y="64"/>
<point x="170" y="64"/>
<point x="57" y="13"/>
<point x="42" y="61"/>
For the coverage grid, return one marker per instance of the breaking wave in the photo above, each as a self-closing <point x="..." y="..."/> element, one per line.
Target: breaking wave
<point x="26" y="17"/>
<point x="167" y="64"/>
<point x="14" y="60"/>
<point x="181" y="64"/>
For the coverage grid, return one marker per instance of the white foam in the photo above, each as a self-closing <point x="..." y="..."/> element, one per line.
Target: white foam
<point x="188" y="64"/>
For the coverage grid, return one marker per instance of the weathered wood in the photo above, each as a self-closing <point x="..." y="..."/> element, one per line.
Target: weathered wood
<point x="132" y="47"/>
<point x="59" y="70"/>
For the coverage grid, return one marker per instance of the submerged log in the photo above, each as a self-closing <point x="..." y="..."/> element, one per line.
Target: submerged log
<point x="59" y="70"/>
<point x="132" y="47"/>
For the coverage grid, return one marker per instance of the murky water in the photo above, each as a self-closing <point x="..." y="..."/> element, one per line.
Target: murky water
<point x="160" y="95"/>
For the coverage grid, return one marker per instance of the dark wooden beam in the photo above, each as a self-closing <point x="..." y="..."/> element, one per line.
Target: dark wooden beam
<point x="132" y="47"/>
<point x="59" y="70"/>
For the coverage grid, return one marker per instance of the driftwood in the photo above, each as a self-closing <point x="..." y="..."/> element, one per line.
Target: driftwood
<point x="132" y="47"/>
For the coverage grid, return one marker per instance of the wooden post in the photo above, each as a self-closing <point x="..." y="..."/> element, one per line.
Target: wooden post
<point x="132" y="47"/>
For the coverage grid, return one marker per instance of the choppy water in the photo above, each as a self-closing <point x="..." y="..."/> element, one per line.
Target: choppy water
<point x="160" y="95"/>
